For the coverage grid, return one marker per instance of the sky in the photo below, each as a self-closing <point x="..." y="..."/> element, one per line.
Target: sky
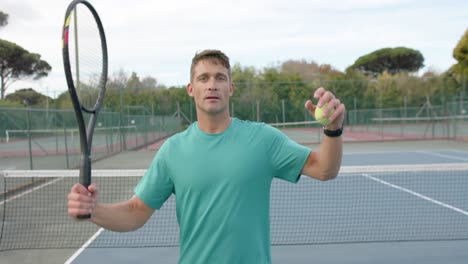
<point x="159" y="38"/>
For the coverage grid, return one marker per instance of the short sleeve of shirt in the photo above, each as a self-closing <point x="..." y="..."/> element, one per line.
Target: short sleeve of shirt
<point x="156" y="185"/>
<point x="288" y="157"/>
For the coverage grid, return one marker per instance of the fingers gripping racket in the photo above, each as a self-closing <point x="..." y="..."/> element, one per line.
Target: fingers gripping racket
<point x="85" y="61"/>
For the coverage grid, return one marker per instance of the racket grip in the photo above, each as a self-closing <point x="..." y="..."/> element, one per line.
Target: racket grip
<point x="85" y="178"/>
<point x="86" y="216"/>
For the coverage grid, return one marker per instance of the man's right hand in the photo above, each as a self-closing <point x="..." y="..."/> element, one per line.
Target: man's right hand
<point x="82" y="201"/>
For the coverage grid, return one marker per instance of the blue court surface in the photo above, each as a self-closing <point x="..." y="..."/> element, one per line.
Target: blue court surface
<point x="331" y="246"/>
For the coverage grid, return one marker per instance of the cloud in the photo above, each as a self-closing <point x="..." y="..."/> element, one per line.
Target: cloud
<point x="159" y="38"/>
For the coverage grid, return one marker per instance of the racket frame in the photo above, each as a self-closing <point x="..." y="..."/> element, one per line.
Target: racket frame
<point x="86" y="132"/>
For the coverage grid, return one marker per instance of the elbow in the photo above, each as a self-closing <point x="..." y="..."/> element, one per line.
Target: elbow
<point x="327" y="178"/>
<point x="328" y="175"/>
<point x="129" y="228"/>
<point x="321" y="175"/>
<point x="125" y="227"/>
<point x="136" y="225"/>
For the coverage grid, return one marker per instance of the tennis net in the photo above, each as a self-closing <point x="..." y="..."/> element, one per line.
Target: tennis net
<point x="364" y="204"/>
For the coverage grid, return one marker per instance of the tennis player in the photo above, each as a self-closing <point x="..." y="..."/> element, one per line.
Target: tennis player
<point x="220" y="170"/>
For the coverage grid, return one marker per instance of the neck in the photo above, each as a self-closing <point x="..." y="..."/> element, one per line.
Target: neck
<point x="214" y="124"/>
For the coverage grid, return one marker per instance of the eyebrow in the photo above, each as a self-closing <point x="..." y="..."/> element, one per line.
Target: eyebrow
<point x="217" y="74"/>
<point x="221" y="74"/>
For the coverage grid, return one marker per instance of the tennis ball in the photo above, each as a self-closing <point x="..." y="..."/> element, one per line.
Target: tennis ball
<point x="319" y="115"/>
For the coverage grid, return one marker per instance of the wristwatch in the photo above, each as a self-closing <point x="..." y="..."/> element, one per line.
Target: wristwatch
<point x="333" y="133"/>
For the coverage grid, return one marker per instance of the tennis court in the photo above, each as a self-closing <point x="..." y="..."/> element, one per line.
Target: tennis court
<point x="49" y="139"/>
<point x="392" y="203"/>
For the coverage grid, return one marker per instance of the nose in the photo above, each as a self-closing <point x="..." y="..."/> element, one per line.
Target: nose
<point x="212" y="85"/>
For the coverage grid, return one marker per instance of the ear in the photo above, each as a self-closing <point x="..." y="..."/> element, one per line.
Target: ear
<point x="231" y="89"/>
<point x="190" y="89"/>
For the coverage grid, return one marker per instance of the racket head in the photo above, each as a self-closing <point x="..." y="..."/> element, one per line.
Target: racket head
<point x="85" y="58"/>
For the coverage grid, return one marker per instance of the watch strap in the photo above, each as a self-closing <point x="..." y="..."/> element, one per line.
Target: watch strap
<point x="333" y="133"/>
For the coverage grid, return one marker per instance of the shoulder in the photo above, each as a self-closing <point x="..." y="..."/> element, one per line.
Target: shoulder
<point x="176" y="140"/>
<point x="256" y="125"/>
<point x="256" y="129"/>
<point x="248" y="125"/>
<point x="181" y="136"/>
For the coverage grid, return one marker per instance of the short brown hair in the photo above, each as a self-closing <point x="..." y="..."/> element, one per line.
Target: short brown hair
<point x="214" y="55"/>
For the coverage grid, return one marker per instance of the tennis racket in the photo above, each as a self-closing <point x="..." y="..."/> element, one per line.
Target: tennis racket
<point x="85" y="62"/>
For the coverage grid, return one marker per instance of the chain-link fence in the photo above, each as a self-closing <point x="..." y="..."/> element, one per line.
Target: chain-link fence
<point x="393" y="109"/>
<point x="49" y="138"/>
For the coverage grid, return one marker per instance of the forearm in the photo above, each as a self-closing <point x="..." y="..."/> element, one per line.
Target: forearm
<point x="329" y="158"/>
<point x="325" y="164"/>
<point x="119" y="217"/>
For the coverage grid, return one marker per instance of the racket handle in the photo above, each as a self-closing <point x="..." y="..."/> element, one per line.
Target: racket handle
<point x="86" y="216"/>
<point x="85" y="178"/>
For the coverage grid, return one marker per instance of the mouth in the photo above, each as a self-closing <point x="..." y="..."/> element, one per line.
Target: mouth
<point x="211" y="98"/>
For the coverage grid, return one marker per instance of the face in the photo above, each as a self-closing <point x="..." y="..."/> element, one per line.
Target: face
<point x="210" y="87"/>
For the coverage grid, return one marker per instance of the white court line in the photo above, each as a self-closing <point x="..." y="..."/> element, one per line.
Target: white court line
<point x="8" y="168"/>
<point x="457" y="151"/>
<point x="30" y="191"/>
<point x="444" y="155"/>
<point x="84" y="246"/>
<point x="417" y="194"/>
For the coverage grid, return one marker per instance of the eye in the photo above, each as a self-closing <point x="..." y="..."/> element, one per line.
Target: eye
<point x="221" y="77"/>
<point x="203" y="78"/>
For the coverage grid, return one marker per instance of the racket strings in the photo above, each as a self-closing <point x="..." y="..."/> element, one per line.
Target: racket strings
<point x="86" y="59"/>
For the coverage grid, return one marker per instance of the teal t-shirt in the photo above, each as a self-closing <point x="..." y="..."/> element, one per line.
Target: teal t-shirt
<point x="222" y="187"/>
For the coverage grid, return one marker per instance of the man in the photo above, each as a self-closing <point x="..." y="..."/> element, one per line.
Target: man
<point x="220" y="170"/>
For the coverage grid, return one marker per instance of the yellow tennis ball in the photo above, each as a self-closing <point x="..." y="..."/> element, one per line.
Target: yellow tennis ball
<point x="319" y="115"/>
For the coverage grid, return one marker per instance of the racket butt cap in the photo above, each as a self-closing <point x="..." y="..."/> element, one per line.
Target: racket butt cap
<point x="84" y="216"/>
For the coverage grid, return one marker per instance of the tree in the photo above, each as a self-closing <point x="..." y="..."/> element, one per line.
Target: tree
<point x="460" y="53"/>
<point x="391" y="60"/>
<point x="114" y="90"/>
<point x="17" y="63"/>
<point x="309" y="71"/>
<point x="134" y="83"/>
<point x="27" y="97"/>
<point x="3" y="19"/>
<point x="149" y="83"/>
